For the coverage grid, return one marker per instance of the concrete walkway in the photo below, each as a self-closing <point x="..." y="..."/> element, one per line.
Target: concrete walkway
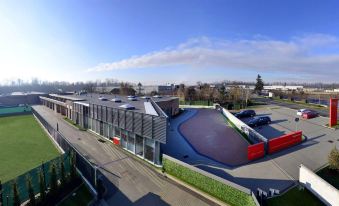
<point x="138" y="183"/>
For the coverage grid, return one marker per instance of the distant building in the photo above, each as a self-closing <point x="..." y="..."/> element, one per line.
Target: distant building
<point x="159" y="89"/>
<point x="284" y="88"/>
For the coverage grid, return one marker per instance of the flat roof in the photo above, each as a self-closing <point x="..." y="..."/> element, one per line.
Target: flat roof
<point x="68" y="97"/>
<point x="93" y="98"/>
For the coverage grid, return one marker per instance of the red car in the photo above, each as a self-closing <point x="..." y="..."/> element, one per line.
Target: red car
<point x="309" y="114"/>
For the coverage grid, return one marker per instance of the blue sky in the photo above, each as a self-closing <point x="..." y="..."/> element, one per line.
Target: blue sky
<point x="170" y="41"/>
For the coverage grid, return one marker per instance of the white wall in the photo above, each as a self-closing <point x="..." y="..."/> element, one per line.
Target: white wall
<point x="243" y="127"/>
<point x="319" y="187"/>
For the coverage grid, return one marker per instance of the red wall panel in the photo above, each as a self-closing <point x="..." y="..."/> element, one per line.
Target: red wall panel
<point x="333" y="112"/>
<point x="285" y="141"/>
<point x="255" y="151"/>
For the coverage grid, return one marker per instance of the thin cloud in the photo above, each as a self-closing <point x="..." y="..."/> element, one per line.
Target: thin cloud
<point x="299" y="54"/>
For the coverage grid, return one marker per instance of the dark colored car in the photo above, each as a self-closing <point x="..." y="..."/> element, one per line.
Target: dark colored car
<point x="245" y="113"/>
<point x="310" y="114"/>
<point x="258" y="121"/>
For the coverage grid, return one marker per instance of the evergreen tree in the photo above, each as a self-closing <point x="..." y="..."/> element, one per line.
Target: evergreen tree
<point x="1" y="198"/>
<point x="42" y="185"/>
<point x="30" y="191"/>
<point x="16" y="197"/>
<point x="53" y="178"/>
<point x="62" y="171"/>
<point x="72" y="159"/>
<point x="259" y="86"/>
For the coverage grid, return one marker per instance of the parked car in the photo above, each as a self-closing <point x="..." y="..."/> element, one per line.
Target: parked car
<point x="258" y="121"/>
<point x="310" y="114"/>
<point x="301" y="111"/>
<point x="245" y="113"/>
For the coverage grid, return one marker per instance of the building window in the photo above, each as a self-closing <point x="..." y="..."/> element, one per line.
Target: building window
<point x="131" y="142"/>
<point x="124" y="139"/>
<point x="117" y="132"/>
<point x="139" y="145"/>
<point x="149" y="149"/>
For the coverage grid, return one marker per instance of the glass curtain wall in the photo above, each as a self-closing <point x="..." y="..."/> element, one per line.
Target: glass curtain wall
<point x="131" y="142"/>
<point x="139" y="145"/>
<point x="124" y="139"/>
<point x="149" y="149"/>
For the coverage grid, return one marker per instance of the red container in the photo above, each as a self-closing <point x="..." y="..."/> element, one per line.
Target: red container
<point x="116" y="140"/>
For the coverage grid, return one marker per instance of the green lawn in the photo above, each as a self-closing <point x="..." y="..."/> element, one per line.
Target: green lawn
<point x="23" y="146"/>
<point x="295" y="197"/>
<point x="82" y="197"/>
<point x="330" y="176"/>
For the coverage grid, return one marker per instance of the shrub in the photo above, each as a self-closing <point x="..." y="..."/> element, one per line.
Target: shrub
<point x="30" y="191"/>
<point x="333" y="159"/>
<point x="213" y="187"/>
<point x="53" y="178"/>
<point x="16" y="197"/>
<point x="62" y="171"/>
<point x="42" y="185"/>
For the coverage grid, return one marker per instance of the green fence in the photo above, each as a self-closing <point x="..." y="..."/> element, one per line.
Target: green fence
<point x="15" y="110"/>
<point x="7" y="187"/>
<point x="217" y="187"/>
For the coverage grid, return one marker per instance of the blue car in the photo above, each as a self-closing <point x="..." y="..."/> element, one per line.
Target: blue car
<point x="259" y="121"/>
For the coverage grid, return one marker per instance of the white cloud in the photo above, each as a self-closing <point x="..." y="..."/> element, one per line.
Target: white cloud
<point x="299" y="54"/>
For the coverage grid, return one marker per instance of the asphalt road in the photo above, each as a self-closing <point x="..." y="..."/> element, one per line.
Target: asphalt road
<point x="138" y="183"/>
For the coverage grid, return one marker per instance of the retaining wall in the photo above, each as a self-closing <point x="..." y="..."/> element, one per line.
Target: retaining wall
<point x="318" y="186"/>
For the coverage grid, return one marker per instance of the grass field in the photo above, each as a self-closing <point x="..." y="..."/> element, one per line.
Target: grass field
<point x="295" y="197"/>
<point x="23" y="146"/>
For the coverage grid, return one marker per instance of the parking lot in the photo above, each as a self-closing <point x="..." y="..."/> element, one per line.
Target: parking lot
<point x="283" y="122"/>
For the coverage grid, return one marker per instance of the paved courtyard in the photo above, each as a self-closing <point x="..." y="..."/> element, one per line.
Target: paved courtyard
<point x="280" y="170"/>
<point x="209" y="135"/>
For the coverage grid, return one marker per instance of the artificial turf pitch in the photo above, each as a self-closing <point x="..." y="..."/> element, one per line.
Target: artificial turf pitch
<point x="24" y="145"/>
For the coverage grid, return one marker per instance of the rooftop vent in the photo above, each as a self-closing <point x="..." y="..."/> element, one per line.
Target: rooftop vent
<point x="145" y="97"/>
<point x="132" y="98"/>
<point x="157" y="96"/>
<point x="127" y="106"/>
<point x="116" y="100"/>
<point x="102" y="98"/>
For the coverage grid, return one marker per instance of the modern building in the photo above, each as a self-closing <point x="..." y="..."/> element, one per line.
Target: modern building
<point x="137" y="124"/>
<point x="284" y="88"/>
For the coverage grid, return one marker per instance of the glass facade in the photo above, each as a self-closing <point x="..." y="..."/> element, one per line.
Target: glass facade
<point x="149" y="149"/>
<point x="124" y="139"/>
<point x="131" y="142"/>
<point x="139" y="145"/>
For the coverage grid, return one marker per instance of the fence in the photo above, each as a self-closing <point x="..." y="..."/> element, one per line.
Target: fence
<point x="319" y="187"/>
<point x="253" y="135"/>
<point x="4" y="111"/>
<point x="90" y="172"/>
<point x="7" y="187"/>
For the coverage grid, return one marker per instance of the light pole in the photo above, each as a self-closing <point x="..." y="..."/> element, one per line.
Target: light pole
<point x="296" y="123"/>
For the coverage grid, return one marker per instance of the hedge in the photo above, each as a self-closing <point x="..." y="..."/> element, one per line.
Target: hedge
<point x="212" y="187"/>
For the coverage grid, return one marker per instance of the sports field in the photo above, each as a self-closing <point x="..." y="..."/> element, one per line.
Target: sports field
<point x="23" y="146"/>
